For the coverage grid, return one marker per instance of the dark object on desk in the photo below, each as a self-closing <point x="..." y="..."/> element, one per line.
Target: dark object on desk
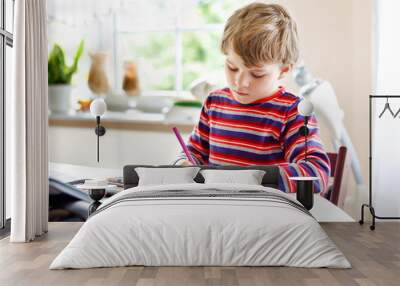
<point x="270" y="179"/>
<point x="66" y="202"/>
<point x="69" y="189"/>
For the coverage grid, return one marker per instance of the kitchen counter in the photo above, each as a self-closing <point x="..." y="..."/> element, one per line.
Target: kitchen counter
<point x="130" y="119"/>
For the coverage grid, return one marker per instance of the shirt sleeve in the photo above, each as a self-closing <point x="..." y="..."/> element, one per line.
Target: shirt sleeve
<point x="294" y="148"/>
<point x="198" y="143"/>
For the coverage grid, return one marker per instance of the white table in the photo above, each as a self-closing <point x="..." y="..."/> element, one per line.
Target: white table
<point x="323" y="210"/>
<point x="67" y="172"/>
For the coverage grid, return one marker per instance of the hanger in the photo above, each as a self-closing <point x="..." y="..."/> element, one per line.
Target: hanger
<point x="397" y="113"/>
<point x="387" y="107"/>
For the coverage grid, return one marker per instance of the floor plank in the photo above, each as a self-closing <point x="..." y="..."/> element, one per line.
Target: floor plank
<point x="374" y="255"/>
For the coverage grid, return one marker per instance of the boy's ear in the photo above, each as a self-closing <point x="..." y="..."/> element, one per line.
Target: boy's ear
<point x="284" y="70"/>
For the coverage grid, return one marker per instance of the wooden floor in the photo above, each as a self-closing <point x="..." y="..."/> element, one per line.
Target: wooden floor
<point x="374" y="255"/>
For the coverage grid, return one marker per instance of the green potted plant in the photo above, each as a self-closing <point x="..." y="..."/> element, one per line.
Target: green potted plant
<point x="59" y="78"/>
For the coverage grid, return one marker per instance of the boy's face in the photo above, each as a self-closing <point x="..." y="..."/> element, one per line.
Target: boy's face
<point x="254" y="83"/>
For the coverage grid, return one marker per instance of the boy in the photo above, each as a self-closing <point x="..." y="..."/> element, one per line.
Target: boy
<point x="255" y="121"/>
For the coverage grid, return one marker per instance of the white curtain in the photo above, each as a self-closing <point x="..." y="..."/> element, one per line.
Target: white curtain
<point x="386" y="130"/>
<point x="26" y="123"/>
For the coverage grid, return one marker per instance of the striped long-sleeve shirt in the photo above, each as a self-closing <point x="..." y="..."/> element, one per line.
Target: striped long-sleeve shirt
<point x="265" y="132"/>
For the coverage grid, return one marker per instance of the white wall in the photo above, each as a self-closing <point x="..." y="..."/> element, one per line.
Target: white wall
<point x="337" y="44"/>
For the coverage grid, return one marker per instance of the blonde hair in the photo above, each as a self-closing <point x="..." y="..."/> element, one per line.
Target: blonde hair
<point x="262" y="33"/>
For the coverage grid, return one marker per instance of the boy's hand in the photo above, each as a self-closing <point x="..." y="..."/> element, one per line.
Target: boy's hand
<point x="185" y="163"/>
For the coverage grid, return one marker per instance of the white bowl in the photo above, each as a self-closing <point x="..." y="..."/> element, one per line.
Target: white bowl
<point x="153" y="104"/>
<point x="183" y="114"/>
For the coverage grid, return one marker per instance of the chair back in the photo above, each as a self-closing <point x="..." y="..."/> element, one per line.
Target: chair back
<point x="337" y="170"/>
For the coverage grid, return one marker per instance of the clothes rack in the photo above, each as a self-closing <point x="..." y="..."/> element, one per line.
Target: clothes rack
<point x="370" y="205"/>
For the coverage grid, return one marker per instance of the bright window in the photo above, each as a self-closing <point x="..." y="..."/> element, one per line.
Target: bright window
<point x="172" y="42"/>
